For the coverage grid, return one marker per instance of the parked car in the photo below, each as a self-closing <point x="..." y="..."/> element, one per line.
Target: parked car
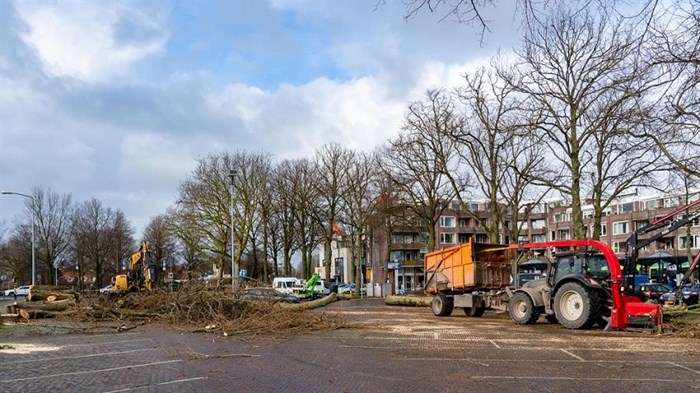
<point x="653" y="291"/>
<point x="19" y="291"/>
<point x="689" y="294"/>
<point x="107" y="289"/>
<point x="268" y="294"/>
<point x="350" y="288"/>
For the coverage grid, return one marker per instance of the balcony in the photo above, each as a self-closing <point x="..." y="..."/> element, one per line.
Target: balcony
<point x="411" y="263"/>
<point x="406" y="246"/>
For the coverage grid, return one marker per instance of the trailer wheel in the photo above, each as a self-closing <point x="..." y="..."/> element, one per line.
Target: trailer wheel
<point x="521" y="309"/>
<point x="576" y="307"/>
<point x="442" y="305"/>
<point x="474" y="311"/>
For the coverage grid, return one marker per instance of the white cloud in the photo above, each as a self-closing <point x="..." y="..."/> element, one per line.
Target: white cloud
<point x="92" y="41"/>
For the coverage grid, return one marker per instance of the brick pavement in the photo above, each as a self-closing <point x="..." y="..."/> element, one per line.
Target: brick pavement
<point x="390" y="350"/>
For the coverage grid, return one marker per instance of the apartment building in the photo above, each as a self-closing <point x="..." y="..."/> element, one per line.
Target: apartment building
<point x="549" y="220"/>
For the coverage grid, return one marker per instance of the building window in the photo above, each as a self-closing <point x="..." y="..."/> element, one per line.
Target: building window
<point x="625" y="208"/>
<point x="463" y="222"/>
<point x="447" y="221"/>
<point x="620" y="228"/>
<point x="552" y="235"/>
<point x="619" y="247"/>
<point x="564" y="234"/>
<point x="694" y="241"/>
<point x="522" y="225"/>
<point x="522" y="239"/>
<point x="538" y="224"/>
<point x="640" y="224"/>
<point x="447" y="238"/>
<point x="652" y="205"/>
<point x="603" y="229"/>
<point x="665" y="243"/>
<point x="482" y="238"/>
<point x="588" y="214"/>
<point x="538" y="239"/>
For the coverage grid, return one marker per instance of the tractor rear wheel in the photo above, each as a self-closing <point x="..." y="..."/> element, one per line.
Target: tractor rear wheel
<point x="576" y="306"/>
<point x="521" y="309"/>
<point x="442" y="305"/>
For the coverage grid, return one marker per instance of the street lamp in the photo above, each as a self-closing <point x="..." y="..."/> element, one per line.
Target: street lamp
<point x="33" y="210"/>
<point x="234" y="270"/>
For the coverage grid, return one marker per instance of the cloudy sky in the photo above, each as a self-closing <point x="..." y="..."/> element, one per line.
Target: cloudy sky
<point x="116" y="100"/>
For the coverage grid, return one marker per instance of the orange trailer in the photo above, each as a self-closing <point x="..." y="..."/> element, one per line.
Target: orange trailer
<point x="469" y="276"/>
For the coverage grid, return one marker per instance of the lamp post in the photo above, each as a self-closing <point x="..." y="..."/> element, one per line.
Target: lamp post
<point x="234" y="270"/>
<point x="33" y="210"/>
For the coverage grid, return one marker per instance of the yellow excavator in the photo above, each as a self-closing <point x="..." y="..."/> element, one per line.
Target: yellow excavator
<point x="143" y="273"/>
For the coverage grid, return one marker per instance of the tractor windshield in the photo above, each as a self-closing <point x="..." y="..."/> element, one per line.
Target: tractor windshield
<point x="597" y="267"/>
<point x="593" y="265"/>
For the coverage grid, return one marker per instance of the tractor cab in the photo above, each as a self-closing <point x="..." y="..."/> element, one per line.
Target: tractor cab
<point x="588" y="267"/>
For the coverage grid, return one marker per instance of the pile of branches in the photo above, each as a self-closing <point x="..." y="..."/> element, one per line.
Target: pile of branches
<point x="204" y="309"/>
<point x="684" y="321"/>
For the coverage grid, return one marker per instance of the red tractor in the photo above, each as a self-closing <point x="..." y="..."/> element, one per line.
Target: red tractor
<point x="587" y="286"/>
<point x="581" y="288"/>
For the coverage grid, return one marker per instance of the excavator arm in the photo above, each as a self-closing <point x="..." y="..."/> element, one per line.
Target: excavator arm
<point x="668" y="225"/>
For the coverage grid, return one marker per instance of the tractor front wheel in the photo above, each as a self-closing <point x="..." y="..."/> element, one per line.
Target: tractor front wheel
<point x="521" y="309"/>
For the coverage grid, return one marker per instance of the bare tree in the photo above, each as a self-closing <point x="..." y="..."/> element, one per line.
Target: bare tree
<point x="93" y="229"/>
<point x="496" y="146"/>
<point x="189" y="241"/>
<point x="584" y="88"/>
<point x="53" y="230"/>
<point x="332" y="162"/>
<point x="359" y="202"/>
<point x="158" y="234"/>
<point x="674" y="51"/>
<point x="305" y="199"/>
<point x="283" y="183"/>
<point x="124" y="244"/>
<point x="423" y="164"/>
<point x="205" y="200"/>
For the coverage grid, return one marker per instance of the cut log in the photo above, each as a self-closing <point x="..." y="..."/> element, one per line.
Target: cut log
<point x="41" y="306"/>
<point x="23" y="313"/>
<point x="313" y="304"/>
<point x="414" y="301"/>
<point x="37" y="293"/>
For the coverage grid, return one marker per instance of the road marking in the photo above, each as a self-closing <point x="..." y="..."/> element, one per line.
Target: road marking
<point x="581" y="378"/>
<point x="494" y="344"/>
<point x="91" y="371"/>
<point x="78" y="356"/>
<point x="575" y="356"/>
<point x="158" y="384"/>
<point x="107" y="343"/>
<point x="684" y="367"/>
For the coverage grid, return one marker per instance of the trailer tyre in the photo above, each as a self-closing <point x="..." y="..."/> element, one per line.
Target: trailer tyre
<point x="576" y="306"/>
<point x="474" y="311"/>
<point x="442" y="305"/>
<point x="521" y="309"/>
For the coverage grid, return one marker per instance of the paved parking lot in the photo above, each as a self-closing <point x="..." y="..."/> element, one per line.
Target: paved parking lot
<point x="389" y="349"/>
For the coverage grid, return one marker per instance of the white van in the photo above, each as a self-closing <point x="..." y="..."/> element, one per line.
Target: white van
<point x="287" y="285"/>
